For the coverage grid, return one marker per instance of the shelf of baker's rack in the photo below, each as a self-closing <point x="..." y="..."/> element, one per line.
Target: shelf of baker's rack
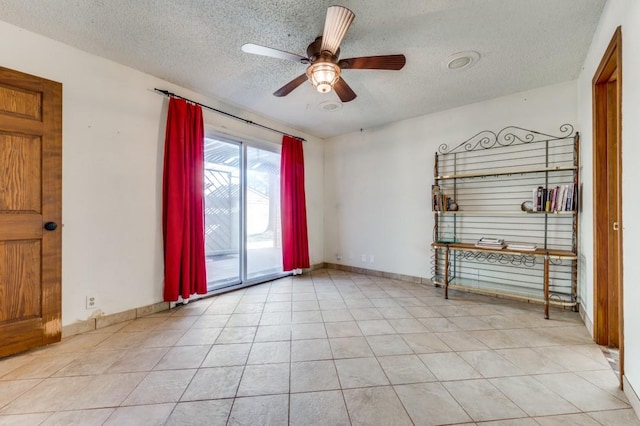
<point x="506" y="171"/>
<point x="502" y="212"/>
<point x="541" y="252"/>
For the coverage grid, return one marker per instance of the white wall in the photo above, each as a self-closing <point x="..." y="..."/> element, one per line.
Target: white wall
<point x="113" y="133"/>
<point x="377" y="182"/>
<point x="627" y="14"/>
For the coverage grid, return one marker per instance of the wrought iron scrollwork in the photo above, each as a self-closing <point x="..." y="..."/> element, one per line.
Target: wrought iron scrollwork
<point x="501" y="258"/>
<point x="558" y="298"/>
<point x="507" y="136"/>
<point x="555" y="261"/>
<point x="484" y="139"/>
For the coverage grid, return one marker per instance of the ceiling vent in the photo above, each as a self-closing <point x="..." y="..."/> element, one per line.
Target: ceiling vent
<point x="330" y="106"/>
<point x="460" y="61"/>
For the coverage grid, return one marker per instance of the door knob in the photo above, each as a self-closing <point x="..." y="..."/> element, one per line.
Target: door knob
<point x="50" y="226"/>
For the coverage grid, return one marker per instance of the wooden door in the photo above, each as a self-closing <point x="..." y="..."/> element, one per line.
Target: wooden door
<point x="30" y="199"/>
<point x="608" y="322"/>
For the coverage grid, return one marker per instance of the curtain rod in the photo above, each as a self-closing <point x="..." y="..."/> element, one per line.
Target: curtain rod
<point x="253" y="123"/>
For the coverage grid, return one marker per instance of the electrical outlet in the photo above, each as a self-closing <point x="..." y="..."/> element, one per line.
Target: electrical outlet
<point x="371" y="258"/>
<point x="364" y="257"/>
<point x="92" y="302"/>
<point x="338" y="257"/>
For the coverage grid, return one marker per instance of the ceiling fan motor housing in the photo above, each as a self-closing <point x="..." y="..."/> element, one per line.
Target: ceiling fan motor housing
<point x="315" y="53"/>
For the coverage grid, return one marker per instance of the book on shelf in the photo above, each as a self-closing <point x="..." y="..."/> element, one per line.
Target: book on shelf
<point x="435" y="193"/>
<point x="572" y="201"/>
<point x="559" y="198"/>
<point x="520" y="246"/>
<point x="554" y="199"/>
<point x="491" y="243"/>
<point x="440" y="201"/>
<point x="537" y="200"/>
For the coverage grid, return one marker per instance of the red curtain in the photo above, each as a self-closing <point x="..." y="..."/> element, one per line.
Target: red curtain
<point x="183" y="202"/>
<point x="295" y="244"/>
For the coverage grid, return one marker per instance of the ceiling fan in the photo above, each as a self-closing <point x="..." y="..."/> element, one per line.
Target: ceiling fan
<point x="325" y="68"/>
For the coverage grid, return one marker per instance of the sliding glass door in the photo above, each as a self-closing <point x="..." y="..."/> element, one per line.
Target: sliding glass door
<point x="264" y="248"/>
<point x="222" y="212"/>
<point x="242" y="213"/>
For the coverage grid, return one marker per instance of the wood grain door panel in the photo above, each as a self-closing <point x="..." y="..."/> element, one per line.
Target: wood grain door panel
<point x="30" y="196"/>
<point x="21" y="102"/>
<point x="20" y="280"/>
<point x="21" y="174"/>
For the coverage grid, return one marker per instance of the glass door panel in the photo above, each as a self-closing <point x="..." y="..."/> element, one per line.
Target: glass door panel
<point x="264" y="241"/>
<point x="222" y="198"/>
<point x="243" y="241"/>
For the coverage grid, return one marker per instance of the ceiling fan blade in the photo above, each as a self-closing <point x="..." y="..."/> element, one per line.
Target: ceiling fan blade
<point x="344" y="92"/>
<point x="256" y="49"/>
<point x="336" y="24"/>
<point x="288" y="88"/>
<point x="385" y="62"/>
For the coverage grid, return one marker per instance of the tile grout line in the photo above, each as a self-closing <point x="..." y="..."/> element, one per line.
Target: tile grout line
<point x="335" y="368"/>
<point x="244" y="367"/>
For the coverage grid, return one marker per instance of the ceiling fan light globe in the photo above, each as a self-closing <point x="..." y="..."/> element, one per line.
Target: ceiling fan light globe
<point x="323" y="75"/>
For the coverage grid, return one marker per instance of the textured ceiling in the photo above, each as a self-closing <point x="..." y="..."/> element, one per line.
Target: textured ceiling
<point x="523" y="44"/>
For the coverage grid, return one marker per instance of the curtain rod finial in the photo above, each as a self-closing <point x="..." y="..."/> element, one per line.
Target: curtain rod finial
<point x="164" y="92"/>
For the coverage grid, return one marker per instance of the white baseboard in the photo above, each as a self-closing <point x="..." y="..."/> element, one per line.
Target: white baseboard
<point x="107" y="320"/>
<point x="632" y="396"/>
<point x="586" y="320"/>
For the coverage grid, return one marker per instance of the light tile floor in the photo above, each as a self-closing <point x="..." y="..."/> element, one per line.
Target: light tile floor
<point x="331" y="348"/>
